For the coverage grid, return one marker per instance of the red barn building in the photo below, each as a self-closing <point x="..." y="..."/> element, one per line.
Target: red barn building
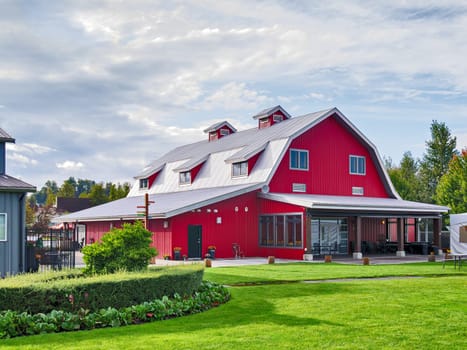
<point x="311" y="184"/>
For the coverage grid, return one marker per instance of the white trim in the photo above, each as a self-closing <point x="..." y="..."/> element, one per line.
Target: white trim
<point x="5" y="239"/>
<point x="357" y="172"/>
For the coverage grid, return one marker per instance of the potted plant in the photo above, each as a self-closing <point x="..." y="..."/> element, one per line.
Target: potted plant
<point x="177" y="253"/>
<point x="212" y="251"/>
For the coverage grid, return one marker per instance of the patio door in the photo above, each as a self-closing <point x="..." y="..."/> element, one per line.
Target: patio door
<point x="194" y="241"/>
<point x="329" y="236"/>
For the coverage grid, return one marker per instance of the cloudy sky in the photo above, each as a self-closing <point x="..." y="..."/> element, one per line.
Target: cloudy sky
<point x="98" y="89"/>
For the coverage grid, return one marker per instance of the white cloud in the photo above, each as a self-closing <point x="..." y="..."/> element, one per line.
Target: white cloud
<point x="236" y="96"/>
<point x="130" y="80"/>
<point x="70" y="165"/>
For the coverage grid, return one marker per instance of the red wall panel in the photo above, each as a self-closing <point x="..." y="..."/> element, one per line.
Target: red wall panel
<point x="329" y="145"/>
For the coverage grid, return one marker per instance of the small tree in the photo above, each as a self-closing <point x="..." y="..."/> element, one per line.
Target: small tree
<point x="127" y="248"/>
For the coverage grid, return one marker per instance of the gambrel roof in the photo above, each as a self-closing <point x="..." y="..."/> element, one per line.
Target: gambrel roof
<point x="239" y="147"/>
<point x="215" y="182"/>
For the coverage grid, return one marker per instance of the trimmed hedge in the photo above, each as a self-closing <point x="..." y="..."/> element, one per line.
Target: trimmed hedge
<point x="15" y="324"/>
<point x="74" y="291"/>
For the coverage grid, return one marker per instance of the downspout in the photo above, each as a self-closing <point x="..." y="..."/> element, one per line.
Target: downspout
<point x="22" y="235"/>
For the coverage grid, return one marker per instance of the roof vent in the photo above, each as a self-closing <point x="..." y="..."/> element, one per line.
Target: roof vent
<point x="219" y="130"/>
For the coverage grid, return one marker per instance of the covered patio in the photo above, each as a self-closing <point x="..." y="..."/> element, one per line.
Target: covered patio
<point x="360" y="226"/>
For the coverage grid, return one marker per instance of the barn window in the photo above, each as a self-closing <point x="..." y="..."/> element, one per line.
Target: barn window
<point x="357" y="165"/>
<point x="298" y="159"/>
<point x="185" y="178"/>
<point x="240" y="169"/>
<point x="279" y="231"/>
<point x="3" y="235"/>
<point x="143" y="183"/>
<point x="225" y="132"/>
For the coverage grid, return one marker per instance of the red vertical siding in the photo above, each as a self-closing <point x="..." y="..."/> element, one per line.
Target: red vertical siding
<point x="329" y="145"/>
<point x="239" y="224"/>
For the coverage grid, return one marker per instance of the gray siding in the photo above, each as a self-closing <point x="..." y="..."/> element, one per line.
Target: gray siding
<point x="12" y="252"/>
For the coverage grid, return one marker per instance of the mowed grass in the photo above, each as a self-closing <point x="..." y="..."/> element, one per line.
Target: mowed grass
<point x="403" y="313"/>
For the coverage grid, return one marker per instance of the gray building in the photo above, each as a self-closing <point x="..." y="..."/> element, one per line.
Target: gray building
<point x="12" y="216"/>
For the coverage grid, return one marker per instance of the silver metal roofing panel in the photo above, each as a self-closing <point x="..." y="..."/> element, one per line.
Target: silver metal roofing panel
<point x="268" y="111"/>
<point x="240" y="139"/>
<point x="390" y="205"/>
<point x="193" y="162"/>
<point x="219" y="125"/>
<point x="165" y="204"/>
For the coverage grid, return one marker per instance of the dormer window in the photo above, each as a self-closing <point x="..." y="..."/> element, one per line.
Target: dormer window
<point x="143" y="184"/>
<point x="277" y="118"/>
<point x="240" y="169"/>
<point x="185" y="178"/>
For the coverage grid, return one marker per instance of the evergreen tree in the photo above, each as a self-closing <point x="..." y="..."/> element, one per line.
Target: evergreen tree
<point x="440" y="150"/>
<point x="452" y="188"/>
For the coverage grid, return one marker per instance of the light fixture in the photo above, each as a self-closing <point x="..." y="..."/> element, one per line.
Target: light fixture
<point x="166" y="224"/>
<point x="246" y="209"/>
<point x="236" y="209"/>
<point x="208" y="210"/>
<point x="219" y="220"/>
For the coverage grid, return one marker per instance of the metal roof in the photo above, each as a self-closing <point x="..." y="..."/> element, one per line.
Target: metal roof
<point x="359" y="204"/>
<point x="165" y="204"/>
<point x="11" y="184"/>
<point x="253" y="138"/>
<point x="5" y="137"/>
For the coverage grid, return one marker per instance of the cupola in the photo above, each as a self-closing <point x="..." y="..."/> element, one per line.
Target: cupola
<point x="271" y="116"/>
<point x="219" y="130"/>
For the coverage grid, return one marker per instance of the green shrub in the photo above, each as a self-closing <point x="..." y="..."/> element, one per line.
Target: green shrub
<point x="127" y="248"/>
<point x="121" y="289"/>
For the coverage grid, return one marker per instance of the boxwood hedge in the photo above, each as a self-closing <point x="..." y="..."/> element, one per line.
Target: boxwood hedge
<point x="71" y="291"/>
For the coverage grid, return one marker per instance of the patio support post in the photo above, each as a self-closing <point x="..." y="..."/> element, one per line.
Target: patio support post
<point x="357" y="254"/>
<point x="400" y="237"/>
<point x="437" y="234"/>
<point x="308" y="254"/>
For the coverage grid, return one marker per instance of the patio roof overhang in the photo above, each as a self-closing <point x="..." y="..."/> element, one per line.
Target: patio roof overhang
<point x="324" y="205"/>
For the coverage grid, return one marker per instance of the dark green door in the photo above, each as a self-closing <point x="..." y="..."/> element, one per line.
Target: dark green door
<point x="194" y="241"/>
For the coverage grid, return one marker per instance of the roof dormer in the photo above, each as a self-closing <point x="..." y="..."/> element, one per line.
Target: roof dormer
<point x="271" y="116"/>
<point x="220" y="130"/>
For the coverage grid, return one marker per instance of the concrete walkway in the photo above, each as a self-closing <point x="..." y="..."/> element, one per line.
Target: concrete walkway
<point x="374" y="260"/>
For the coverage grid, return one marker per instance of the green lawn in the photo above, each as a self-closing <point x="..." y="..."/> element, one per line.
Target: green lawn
<point x="403" y="313"/>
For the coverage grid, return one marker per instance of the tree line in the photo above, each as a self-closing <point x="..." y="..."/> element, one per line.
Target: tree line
<point x="97" y="192"/>
<point x="439" y="177"/>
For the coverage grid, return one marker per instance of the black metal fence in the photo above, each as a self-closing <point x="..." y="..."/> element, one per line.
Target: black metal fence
<point x="51" y="249"/>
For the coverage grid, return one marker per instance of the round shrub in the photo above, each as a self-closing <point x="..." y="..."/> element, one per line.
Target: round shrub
<point x="127" y="248"/>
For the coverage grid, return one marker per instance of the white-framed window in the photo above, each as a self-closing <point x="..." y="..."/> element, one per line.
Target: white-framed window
<point x="298" y="159"/>
<point x="143" y="183"/>
<point x="277" y="118"/>
<point x="3" y="227"/>
<point x="185" y="178"/>
<point x="240" y="169"/>
<point x="224" y="132"/>
<point x="357" y="165"/>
